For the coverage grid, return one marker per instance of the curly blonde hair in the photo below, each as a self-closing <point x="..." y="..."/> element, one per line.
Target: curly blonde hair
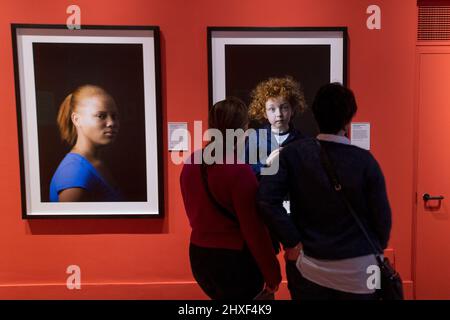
<point x="285" y="87"/>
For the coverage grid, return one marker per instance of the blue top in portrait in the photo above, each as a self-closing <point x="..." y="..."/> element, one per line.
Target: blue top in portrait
<point x="75" y="171"/>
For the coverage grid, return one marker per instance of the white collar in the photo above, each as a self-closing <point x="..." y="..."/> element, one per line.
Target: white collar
<point x="333" y="138"/>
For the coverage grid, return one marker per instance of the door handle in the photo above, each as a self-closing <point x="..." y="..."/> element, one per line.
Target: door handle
<point x="427" y="197"/>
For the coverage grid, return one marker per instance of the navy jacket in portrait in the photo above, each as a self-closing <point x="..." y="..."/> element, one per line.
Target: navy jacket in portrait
<point x="262" y="142"/>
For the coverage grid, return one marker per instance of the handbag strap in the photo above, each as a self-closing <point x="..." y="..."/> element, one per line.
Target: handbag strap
<point x="337" y="186"/>
<point x="224" y="211"/>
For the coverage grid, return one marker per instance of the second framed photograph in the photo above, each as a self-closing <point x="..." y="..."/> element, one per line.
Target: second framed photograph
<point x="89" y="121"/>
<point x="242" y="57"/>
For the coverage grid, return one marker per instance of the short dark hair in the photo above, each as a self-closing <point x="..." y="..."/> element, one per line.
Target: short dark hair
<point x="230" y="113"/>
<point x="334" y="107"/>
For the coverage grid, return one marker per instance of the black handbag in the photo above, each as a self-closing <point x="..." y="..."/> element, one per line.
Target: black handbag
<point x="391" y="282"/>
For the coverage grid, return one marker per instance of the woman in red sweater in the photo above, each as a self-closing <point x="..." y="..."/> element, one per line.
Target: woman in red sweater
<point x="230" y="251"/>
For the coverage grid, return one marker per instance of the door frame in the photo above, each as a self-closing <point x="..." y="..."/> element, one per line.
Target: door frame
<point x="422" y="47"/>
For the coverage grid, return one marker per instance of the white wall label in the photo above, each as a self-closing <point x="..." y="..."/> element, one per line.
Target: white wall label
<point x="360" y="135"/>
<point x="178" y="136"/>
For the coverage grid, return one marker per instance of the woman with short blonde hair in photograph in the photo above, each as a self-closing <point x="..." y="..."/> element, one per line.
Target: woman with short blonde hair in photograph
<point x="88" y="121"/>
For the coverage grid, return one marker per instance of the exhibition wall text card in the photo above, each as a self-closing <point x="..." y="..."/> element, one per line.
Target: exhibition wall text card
<point x="360" y="134"/>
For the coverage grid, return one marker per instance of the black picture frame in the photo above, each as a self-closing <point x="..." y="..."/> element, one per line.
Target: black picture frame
<point x="92" y="55"/>
<point x="240" y="57"/>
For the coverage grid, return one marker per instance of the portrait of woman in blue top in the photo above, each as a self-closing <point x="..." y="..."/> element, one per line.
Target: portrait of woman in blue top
<point x="88" y="121"/>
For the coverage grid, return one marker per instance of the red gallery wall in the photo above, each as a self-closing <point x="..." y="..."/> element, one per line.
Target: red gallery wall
<point x="149" y="258"/>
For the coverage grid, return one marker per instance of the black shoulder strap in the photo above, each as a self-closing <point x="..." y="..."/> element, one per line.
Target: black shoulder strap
<point x="331" y="173"/>
<point x="219" y="207"/>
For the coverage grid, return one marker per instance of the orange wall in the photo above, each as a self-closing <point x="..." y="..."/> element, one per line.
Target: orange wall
<point x="149" y="259"/>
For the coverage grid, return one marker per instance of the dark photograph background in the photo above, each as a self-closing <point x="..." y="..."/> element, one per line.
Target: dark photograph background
<point x="247" y="65"/>
<point x="118" y="68"/>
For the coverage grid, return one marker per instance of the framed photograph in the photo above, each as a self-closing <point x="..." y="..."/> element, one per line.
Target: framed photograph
<point x="89" y="121"/>
<point x="241" y="57"/>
